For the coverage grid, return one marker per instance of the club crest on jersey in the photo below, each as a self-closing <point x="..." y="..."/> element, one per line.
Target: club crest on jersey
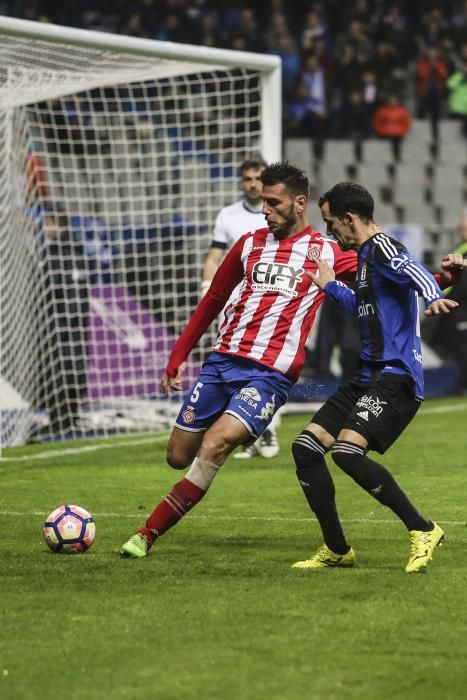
<point x="313" y="252"/>
<point x="276" y="277"/>
<point x="188" y="415"/>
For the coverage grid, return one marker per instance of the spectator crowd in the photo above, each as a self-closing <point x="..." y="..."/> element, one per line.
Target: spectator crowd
<point x="341" y="61"/>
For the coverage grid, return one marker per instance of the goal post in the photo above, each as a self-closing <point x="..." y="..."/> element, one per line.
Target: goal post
<point x="117" y="153"/>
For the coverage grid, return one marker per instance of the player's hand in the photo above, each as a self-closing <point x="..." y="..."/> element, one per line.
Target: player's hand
<point x="452" y="261"/>
<point x="451" y="268"/>
<point x="325" y="274"/>
<point x="441" y="306"/>
<point x="173" y="383"/>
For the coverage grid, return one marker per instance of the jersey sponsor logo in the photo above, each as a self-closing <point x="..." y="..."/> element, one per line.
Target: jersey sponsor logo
<point x="188" y="414"/>
<point x="417" y="355"/>
<point x="372" y="404"/>
<point x="268" y="410"/>
<point x="249" y="395"/>
<point x="365" y="310"/>
<point x="313" y="252"/>
<point x="276" y="277"/>
<point x="363" y="414"/>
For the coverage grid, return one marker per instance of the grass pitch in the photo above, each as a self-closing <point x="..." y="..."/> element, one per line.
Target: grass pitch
<point x="216" y="611"/>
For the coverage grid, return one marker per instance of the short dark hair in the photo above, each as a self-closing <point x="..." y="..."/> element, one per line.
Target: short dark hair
<point x="255" y="162"/>
<point x="349" y="197"/>
<point x="287" y="174"/>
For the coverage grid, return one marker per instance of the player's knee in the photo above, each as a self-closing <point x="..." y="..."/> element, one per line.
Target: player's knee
<point x="177" y="459"/>
<point x="308" y="452"/>
<point x="216" y="447"/>
<point x="347" y="456"/>
<point x="312" y="471"/>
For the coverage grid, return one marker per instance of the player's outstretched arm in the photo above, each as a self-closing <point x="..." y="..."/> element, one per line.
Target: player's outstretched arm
<point x="211" y="264"/>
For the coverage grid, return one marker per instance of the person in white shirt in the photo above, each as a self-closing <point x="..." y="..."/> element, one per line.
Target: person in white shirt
<point x="231" y="223"/>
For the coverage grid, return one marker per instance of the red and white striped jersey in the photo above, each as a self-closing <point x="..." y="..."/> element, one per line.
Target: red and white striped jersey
<point x="270" y="316"/>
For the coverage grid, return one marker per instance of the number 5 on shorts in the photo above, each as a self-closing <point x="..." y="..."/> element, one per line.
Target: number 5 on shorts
<point x="195" y="395"/>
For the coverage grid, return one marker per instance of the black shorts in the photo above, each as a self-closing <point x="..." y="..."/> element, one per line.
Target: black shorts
<point x="379" y="410"/>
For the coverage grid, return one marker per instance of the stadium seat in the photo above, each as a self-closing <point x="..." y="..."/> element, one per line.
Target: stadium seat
<point x="454" y="151"/>
<point x="409" y="184"/>
<point x="384" y="214"/>
<point x="342" y="150"/>
<point x="450" y="130"/>
<point x="450" y="215"/>
<point x="410" y="173"/>
<point x="372" y="175"/>
<point x="418" y="212"/>
<point x="448" y="186"/>
<point x="299" y="152"/>
<point x="377" y="151"/>
<point x="328" y="173"/>
<point x="415" y="151"/>
<point x="420" y="131"/>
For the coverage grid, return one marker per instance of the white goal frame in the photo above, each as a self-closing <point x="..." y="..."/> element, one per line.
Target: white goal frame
<point x="157" y="60"/>
<point x="181" y="59"/>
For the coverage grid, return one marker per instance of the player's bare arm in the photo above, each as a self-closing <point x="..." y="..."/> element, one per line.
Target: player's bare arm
<point x="212" y="262"/>
<point x="325" y="274"/>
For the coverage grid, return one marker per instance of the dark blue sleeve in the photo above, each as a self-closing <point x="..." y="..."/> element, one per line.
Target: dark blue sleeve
<point x="338" y="291"/>
<point x="402" y="268"/>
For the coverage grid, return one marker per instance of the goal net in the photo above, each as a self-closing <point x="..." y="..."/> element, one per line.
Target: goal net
<point x="117" y="154"/>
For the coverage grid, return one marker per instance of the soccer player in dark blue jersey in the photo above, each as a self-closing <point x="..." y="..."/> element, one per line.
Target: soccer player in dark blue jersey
<point x="371" y="411"/>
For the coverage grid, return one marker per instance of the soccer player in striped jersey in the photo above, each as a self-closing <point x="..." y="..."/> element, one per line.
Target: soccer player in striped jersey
<point x="232" y="222"/>
<point x="370" y="411"/>
<point x="260" y="349"/>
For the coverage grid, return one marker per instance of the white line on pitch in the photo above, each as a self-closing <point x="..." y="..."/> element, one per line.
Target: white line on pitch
<point x="444" y="409"/>
<point x="269" y="518"/>
<point x="68" y="451"/>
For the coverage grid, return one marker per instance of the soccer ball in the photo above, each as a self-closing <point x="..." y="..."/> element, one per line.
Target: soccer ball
<point x="69" y="529"/>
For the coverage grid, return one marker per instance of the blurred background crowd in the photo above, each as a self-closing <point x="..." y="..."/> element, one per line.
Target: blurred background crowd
<point x="356" y="73"/>
<point x="350" y="68"/>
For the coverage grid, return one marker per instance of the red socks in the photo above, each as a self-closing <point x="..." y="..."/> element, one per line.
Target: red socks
<point x="182" y="497"/>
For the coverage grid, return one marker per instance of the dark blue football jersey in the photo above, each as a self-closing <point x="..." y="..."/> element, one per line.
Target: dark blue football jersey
<point x="389" y="284"/>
